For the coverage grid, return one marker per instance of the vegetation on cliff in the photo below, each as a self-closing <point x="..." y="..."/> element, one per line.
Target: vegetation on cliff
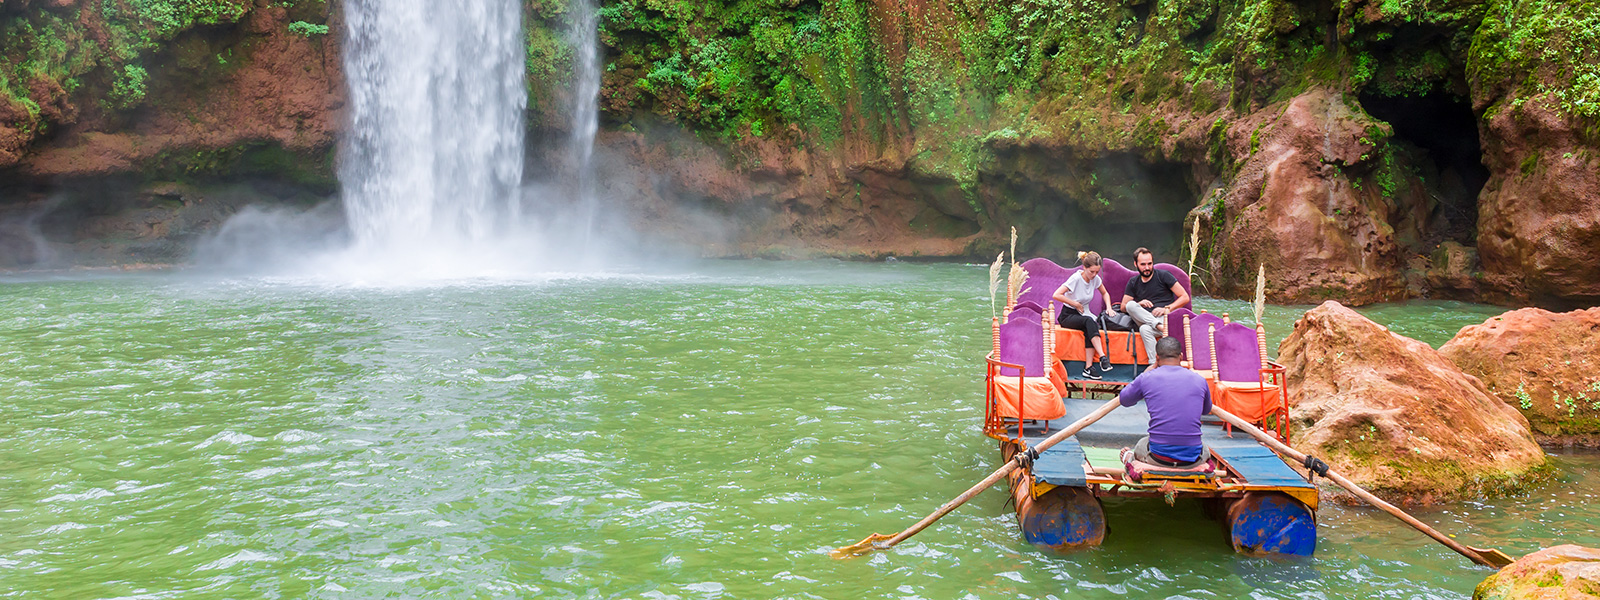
<point x="60" y="60"/>
<point x="1117" y="115"/>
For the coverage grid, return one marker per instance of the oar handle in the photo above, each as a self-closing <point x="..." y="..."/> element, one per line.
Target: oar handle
<point x="1001" y="473"/>
<point x="1300" y="458"/>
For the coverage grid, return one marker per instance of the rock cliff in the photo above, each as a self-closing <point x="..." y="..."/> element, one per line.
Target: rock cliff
<point x="1362" y="150"/>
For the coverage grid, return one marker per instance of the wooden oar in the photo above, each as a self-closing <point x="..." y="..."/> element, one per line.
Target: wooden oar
<point x="1488" y="557"/>
<point x="878" y="541"/>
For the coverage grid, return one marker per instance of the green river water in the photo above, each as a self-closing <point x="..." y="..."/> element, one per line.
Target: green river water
<point x="709" y="432"/>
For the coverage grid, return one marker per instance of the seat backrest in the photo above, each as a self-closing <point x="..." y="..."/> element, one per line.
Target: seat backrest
<point x="1175" y="326"/>
<point x="1199" y="346"/>
<point x="1022" y="343"/>
<point x="1183" y="278"/>
<point x="1044" y="276"/>
<point x="1115" y="277"/>
<point x="1025" y="311"/>
<point x="1238" y="355"/>
<point x="1029" y="305"/>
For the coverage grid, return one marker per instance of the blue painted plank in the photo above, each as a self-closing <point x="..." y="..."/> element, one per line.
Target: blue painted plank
<point x="1259" y="465"/>
<point x="1062" y="464"/>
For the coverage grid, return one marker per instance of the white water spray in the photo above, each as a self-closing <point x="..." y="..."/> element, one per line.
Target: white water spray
<point x="433" y="156"/>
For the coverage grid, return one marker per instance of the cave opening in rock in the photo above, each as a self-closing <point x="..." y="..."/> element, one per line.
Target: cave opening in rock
<point x="1441" y="129"/>
<point x="1111" y="204"/>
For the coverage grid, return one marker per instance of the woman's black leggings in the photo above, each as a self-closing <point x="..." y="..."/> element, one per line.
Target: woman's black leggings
<point x="1088" y="325"/>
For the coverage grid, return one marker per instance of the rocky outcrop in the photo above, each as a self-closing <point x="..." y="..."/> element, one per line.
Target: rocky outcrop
<point x="1533" y="80"/>
<point x="1539" y="218"/>
<point x="1565" y="572"/>
<point x="1396" y="416"/>
<point x="1545" y="364"/>
<point x="208" y="98"/>
<point x="1294" y="207"/>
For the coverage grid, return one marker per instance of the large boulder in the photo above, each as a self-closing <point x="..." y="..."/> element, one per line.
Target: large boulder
<point x="1538" y="225"/>
<point x="1543" y="363"/>
<point x="1295" y="206"/>
<point x="1560" y="573"/>
<point x="1396" y="416"/>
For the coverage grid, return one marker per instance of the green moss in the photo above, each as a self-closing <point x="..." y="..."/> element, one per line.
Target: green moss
<point x="129" y="89"/>
<point x="308" y="29"/>
<point x="1540" y="47"/>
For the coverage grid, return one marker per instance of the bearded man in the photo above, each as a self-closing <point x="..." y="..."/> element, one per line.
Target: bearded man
<point x="1149" y="297"/>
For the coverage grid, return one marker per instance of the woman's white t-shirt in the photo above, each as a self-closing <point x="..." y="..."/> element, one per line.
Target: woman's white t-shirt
<point x="1081" y="291"/>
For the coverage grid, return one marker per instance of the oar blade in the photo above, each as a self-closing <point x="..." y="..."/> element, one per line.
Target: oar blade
<point x="1496" y="558"/>
<point x="865" y="546"/>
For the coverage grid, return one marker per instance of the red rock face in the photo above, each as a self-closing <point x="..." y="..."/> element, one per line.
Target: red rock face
<point x="1293" y="207"/>
<point x="1396" y="416"/>
<point x="1545" y="364"/>
<point x="1563" y="572"/>
<point x="1539" y="215"/>
<point x="283" y="88"/>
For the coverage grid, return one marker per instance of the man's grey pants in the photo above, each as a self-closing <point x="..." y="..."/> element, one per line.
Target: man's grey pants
<point x="1146" y="323"/>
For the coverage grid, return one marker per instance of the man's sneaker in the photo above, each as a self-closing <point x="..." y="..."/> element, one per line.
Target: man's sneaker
<point x="1105" y="364"/>
<point x="1088" y="373"/>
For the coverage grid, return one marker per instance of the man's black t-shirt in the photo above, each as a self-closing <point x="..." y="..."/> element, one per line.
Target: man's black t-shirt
<point x="1158" y="290"/>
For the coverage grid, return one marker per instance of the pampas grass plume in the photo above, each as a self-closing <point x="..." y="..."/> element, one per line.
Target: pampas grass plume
<point x="994" y="280"/>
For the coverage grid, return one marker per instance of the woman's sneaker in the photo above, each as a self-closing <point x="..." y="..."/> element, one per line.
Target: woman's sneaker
<point x="1105" y="364"/>
<point x="1088" y="373"/>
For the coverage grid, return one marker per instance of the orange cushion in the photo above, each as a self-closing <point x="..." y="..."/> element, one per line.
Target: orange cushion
<point x="1069" y="344"/>
<point x="1040" y="398"/>
<point x="1249" y="401"/>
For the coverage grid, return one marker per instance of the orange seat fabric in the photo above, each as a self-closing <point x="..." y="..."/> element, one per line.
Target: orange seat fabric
<point x="1041" y="398"/>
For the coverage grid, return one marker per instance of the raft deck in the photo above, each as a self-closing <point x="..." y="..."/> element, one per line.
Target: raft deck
<point x="1091" y="458"/>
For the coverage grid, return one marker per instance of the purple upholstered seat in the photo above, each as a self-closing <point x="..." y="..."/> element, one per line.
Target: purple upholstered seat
<point x="1029" y="305"/>
<point x="1175" y="326"/>
<point x="1044" y="276"/>
<point x="1115" y="277"/>
<point x="1022" y="343"/>
<point x="1238" y="354"/>
<point x="1200" y="346"/>
<point x="1183" y="278"/>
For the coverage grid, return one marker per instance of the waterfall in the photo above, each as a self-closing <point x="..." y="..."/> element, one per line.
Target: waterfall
<point x="584" y="111"/>
<point x="433" y="155"/>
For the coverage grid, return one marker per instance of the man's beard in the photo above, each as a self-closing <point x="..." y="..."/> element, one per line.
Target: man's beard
<point x="1144" y="273"/>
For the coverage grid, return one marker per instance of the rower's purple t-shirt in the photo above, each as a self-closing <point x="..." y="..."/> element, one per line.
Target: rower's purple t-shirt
<point x="1176" y="398"/>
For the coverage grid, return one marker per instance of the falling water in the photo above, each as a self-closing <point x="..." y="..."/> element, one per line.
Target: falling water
<point x="434" y="151"/>
<point x="585" y="109"/>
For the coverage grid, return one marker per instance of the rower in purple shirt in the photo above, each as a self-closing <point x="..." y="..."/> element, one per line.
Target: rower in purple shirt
<point x="1176" y="398"/>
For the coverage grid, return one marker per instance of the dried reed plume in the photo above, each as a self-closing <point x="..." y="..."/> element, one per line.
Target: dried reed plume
<point x="1016" y="278"/>
<point x="1014" y="248"/>
<point x="994" y="280"/>
<point x="1261" y="292"/>
<point x="1194" y="244"/>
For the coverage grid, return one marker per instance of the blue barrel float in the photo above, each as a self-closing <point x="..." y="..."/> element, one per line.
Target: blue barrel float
<point x="1052" y="515"/>
<point x="1264" y="523"/>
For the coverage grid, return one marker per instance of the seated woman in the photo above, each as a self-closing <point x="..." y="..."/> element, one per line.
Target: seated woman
<point x="1076" y="294"/>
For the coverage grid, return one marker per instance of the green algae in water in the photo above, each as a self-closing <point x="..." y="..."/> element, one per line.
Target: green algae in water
<point x="696" y="435"/>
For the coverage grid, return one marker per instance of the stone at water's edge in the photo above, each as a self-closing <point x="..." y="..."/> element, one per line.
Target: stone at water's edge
<point x="1560" y="573"/>
<point x="1545" y="364"/>
<point x="1396" y="416"/>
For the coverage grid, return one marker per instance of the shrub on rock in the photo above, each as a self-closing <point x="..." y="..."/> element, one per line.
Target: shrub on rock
<point x="1396" y="416"/>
